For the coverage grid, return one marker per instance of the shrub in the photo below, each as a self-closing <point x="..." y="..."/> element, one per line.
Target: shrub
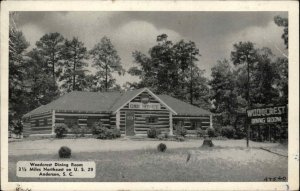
<point x="83" y="131"/>
<point x="180" y="130"/>
<point x="162" y="147"/>
<point x="211" y="132"/>
<point x="152" y="132"/>
<point x="200" y="132"/>
<point x="64" y="152"/>
<point x="228" y="132"/>
<point x="17" y="127"/>
<point x="60" y="130"/>
<point x="116" y="132"/>
<point x="76" y="129"/>
<point x="179" y="138"/>
<point x="104" y="132"/>
<point x="160" y="137"/>
<point x="166" y="135"/>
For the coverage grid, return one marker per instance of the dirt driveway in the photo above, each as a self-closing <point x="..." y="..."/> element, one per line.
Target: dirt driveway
<point x="51" y="146"/>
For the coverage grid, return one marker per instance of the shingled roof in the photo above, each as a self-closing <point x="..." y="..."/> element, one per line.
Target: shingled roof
<point x="96" y="102"/>
<point x="183" y="108"/>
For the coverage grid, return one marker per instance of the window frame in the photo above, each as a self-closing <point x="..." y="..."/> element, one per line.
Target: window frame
<point x="37" y="122"/>
<point x="69" y="118"/>
<point x="45" y="121"/>
<point x="195" y="124"/>
<point x="94" y="120"/>
<point x="152" y="120"/>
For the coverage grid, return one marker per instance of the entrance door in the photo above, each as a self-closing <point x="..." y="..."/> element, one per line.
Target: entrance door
<point x="129" y="123"/>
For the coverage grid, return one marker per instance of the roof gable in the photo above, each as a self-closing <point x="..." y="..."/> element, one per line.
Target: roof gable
<point x="130" y="95"/>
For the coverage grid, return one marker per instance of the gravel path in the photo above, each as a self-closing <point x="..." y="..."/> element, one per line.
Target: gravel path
<point x="51" y="146"/>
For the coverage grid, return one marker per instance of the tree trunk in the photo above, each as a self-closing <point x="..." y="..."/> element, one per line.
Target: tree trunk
<point x="53" y="67"/>
<point x="207" y="142"/>
<point x="191" y="86"/>
<point x="106" y="83"/>
<point x="74" y="69"/>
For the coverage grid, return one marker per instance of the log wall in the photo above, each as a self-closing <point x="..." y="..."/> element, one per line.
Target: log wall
<point x="31" y="127"/>
<point x="204" y="122"/>
<point x="140" y="122"/>
<point x="107" y="119"/>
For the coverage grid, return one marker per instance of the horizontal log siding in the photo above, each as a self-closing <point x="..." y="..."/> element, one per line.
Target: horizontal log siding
<point x="205" y="121"/>
<point x="42" y="128"/>
<point x="140" y="124"/>
<point x="105" y="118"/>
<point x="26" y="128"/>
<point x="113" y="120"/>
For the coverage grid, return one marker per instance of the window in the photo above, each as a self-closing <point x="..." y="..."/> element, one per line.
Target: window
<point x="37" y="123"/>
<point x="151" y="120"/>
<point x="71" y="121"/>
<point x="177" y="123"/>
<point x="92" y="120"/>
<point x="195" y="124"/>
<point x="45" y="121"/>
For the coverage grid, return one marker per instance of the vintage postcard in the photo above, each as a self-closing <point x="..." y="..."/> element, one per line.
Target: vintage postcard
<point x="149" y="95"/>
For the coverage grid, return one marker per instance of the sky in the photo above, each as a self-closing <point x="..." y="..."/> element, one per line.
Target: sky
<point x="213" y="32"/>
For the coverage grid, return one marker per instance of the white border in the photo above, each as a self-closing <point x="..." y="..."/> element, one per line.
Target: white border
<point x="291" y="6"/>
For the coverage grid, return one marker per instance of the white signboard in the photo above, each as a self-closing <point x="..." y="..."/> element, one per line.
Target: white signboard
<point x="148" y="106"/>
<point x="56" y="169"/>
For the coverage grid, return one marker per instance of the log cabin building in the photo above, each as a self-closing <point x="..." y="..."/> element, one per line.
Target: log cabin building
<point x="133" y="112"/>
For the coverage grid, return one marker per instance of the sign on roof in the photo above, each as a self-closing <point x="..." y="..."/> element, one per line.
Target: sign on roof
<point x="266" y="115"/>
<point x="148" y="106"/>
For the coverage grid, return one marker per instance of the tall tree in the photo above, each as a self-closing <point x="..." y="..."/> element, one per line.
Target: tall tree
<point x="244" y="54"/>
<point x="281" y="63"/>
<point x="74" y="54"/>
<point x="50" y="47"/>
<point x="223" y="93"/>
<point x="17" y="88"/>
<point x="263" y="79"/>
<point x="281" y="79"/>
<point x="107" y="61"/>
<point x="283" y="22"/>
<point x="42" y="87"/>
<point x="186" y="54"/>
<point x="170" y="69"/>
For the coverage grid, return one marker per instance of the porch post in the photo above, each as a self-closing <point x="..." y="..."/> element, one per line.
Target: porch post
<point x="118" y="119"/>
<point x="210" y="121"/>
<point x="53" y="121"/>
<point x="171" y="123"/>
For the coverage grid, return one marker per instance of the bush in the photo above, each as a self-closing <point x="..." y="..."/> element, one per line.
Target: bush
<point x="211" y="132"/>
<point x="116" y="132"/>
<point x="83" y="131"/>
<point x="228" y="132"/>
<point x="200" y="132"/>
<point x="152" y="132"/>
<point x="162" y="147"/>
<point x="64" y="152"/>
<point x="76" y="129"/>
<point x="17" y="127"/>
<point x="179" y="138"/>
<point x="105" y="133"/>
<point x="60" y="130"/>
<point x="181" y="131"/>
<point x="166" y="135"/>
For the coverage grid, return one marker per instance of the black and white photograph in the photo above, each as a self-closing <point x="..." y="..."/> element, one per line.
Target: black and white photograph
<point x="165" y="96"/>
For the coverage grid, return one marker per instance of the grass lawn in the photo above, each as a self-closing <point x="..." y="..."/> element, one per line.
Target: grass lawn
<point x="205" y="165"/>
